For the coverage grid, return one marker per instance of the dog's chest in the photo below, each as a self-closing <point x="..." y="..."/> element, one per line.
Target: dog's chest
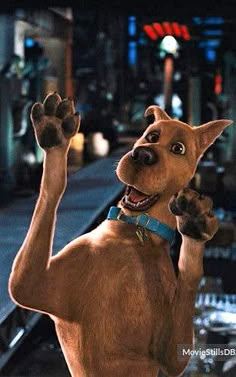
<point x="125" y="303"/>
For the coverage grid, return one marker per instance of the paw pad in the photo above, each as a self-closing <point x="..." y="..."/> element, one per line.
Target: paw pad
<point x="194" y="227"/>
<point x="49" y="137"/>
<point x="194" y="214"/>
<point x="54" y="121"/>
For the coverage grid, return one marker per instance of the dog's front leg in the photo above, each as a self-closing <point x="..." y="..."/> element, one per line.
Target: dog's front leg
<point x="30" y="283"/>
<point x="197" y="224"/>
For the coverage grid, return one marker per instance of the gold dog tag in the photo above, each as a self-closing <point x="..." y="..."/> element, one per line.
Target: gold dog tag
<point x="141" y="234"/>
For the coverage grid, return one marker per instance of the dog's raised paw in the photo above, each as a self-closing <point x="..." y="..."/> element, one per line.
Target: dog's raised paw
<point x="194" y="214"/>
<point x="55" y="121"/>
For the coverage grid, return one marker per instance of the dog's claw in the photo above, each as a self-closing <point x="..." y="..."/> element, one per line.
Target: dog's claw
<point x="194" y="215"/>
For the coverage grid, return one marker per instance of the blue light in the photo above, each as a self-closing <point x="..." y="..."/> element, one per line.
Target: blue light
<point x="210" y="55"/>
<point x="214" y="21"/>
<point x="213" y="43"/>
<point x="29" y="42"/>
<point x="197" y="20"/>
<point x="208" y="20"/>
<point x="212" y="33"/>
<point x="142" y="41"/>
<point x="132" y="53"/>
<point x="132" y="26"/>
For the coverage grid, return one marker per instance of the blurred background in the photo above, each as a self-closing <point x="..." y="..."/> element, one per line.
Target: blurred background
<point x="114" y="60"/>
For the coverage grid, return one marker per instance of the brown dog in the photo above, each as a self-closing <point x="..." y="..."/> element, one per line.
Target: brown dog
<point x="119" y="308"/>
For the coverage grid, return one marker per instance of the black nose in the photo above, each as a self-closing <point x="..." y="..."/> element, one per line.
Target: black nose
<point x="144" y="156"/>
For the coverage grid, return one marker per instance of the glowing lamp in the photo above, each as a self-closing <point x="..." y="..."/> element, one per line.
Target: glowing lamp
<point x="169" y="45"/>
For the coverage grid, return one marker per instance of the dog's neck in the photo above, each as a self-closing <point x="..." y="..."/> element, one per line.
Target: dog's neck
<point x="144" y="224"/>
<point x="159" y="211"/>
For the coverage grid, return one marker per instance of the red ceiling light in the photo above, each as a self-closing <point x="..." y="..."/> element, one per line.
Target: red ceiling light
<point x="176" y="28"/>
<point x="159" y="29"/>
<point x="218" y="84"/>
<point x="167" y="28"/>
<point x="185" y="32"/>
<point x="150" y="32"/>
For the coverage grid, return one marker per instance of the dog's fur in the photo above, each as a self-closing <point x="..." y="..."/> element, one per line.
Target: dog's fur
<point x="119" y="308"/>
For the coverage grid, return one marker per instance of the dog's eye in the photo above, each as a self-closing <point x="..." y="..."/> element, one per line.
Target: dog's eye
<point x="153" y="137"/>
<point x="178" y="148"/>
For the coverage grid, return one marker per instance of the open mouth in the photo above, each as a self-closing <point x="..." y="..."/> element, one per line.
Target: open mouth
<point x="137" y="200"/>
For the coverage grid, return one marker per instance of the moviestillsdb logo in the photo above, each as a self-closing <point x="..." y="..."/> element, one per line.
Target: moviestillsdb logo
<point x="219" y="352"/>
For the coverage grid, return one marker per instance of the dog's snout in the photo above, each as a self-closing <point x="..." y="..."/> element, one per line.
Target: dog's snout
<point x="144" y="156"/>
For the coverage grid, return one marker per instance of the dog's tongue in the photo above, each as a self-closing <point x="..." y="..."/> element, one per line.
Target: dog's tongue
<point x="136" y="196"/>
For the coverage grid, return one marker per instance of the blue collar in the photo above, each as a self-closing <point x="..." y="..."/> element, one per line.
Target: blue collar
<point x="143" y="221"/>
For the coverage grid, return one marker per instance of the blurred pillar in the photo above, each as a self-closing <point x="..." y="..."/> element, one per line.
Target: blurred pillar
<point x="168" y="79"/>
<point x="69" y="87"/>
<point x="6" y="94"/>
<point x="169" y="46"/>
<point x="7" y="38"/>
<point x="230" y="92"/>
<point x="194" y="103"/>
<point x="6" y="137"/>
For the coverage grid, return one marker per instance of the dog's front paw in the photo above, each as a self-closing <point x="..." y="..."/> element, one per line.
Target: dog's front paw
<point x="54" y="121"/>
<point x="194" y="215"/>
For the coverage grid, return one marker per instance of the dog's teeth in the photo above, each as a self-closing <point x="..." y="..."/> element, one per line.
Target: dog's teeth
<point x="139" y="205"/>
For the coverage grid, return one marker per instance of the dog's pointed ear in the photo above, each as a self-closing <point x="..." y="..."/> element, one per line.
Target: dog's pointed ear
<point x="157" y="112"/>
<point x="207" y="133"/>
